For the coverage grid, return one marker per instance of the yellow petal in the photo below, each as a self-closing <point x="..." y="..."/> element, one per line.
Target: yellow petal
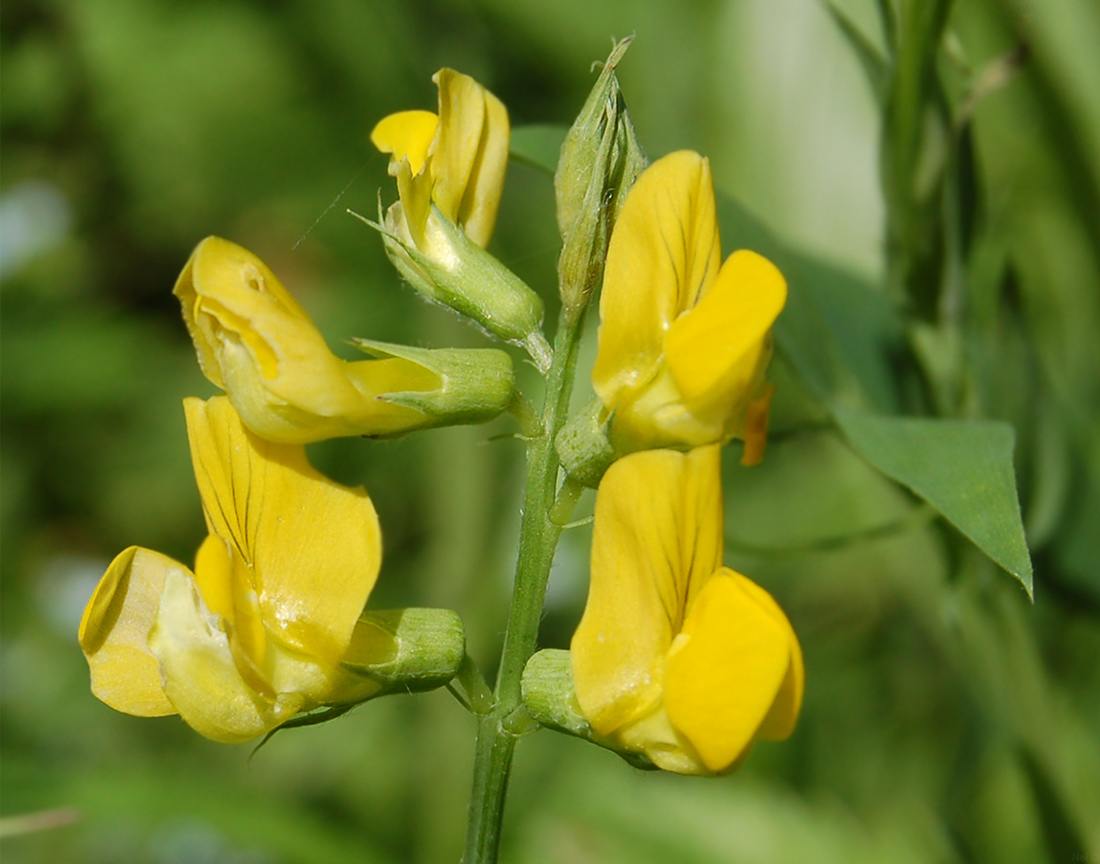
<point x="201" y="678"/>
<point x="725" y="670"/>
<point x="312" y="546"/>
<point x="406" y="135"/>
<point x="223" y="290"/>
<point x="478" y="215"/>
<point x="656" y="416"/>
<point x="783" y="716"/>
<point x="228" y="588"/>
<point x="408" y="217"/>
<point x="114" y="633"/>
<point x="655" y="736"/>
<point x="664" y="254"/>
<point x="715" y="350"/>
<point x="657" y="537"/>
<point x="258" y="344"/>
<point x="470" y="154"/>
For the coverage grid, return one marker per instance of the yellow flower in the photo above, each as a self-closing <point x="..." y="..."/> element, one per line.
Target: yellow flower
<point x="684" y="344"/>
<point x="254" y="341"/>
<point x="257" y="631"/>
<point x="450" y="174"/>
<point x="677" y="657"/>
<point x="455" y="160"/>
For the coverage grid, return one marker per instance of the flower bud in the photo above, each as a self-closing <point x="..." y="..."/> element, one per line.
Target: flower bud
<point x="600" y="159"/>
<point x="584" y="445"/>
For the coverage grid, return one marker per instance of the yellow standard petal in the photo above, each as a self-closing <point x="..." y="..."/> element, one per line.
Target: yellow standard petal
<point x="255" y="341"/>
<point x="657" y="538"/>
<point x="114" y="633"/>
<point x="725" y="670"/>
<point x="663" y="256"/>
<point x="312" y="547"/>
<point x="470" y="155"/>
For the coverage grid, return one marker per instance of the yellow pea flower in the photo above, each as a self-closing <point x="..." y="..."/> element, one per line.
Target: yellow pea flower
<point x="684" y="343"/>
<point x="255" y="342"/>
<point x="450" y="174"/>
<point x="257" y="631"/>
<point x="455" y="159"/>
<point x="678" y="657"/>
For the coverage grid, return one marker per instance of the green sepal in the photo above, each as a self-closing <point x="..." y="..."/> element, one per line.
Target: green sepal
<point x="477" y="384"/>
<point x="550" y="699"/>
<point x="600" y="160"/>
<point x="584" y="445"/>
<point x="407" y="650"/>
<point x="402" y="651"/>
<point x="466" y="278"/>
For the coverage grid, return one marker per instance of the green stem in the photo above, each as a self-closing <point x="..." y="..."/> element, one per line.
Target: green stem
<point x="538" y="537"/>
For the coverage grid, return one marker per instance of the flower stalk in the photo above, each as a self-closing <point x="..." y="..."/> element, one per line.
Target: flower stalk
<point x="539" y="534"/>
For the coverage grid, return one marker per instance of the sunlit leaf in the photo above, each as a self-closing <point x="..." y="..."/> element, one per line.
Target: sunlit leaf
<point x="963" y="468"/>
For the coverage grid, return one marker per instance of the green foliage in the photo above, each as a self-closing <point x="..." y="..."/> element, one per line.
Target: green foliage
<point x="963" y="468"/>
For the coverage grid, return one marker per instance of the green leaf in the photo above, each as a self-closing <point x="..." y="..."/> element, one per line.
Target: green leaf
<point x="963" y="468"/>
<point x="538" y="145"/>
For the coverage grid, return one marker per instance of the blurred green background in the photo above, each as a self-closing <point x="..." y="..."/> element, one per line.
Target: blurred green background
<point x="946" y="718"/>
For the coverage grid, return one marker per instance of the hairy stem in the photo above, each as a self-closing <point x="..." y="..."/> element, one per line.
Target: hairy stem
<point x="538" y="538"/>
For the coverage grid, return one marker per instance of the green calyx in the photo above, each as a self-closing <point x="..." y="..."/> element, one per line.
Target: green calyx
<point x="407" y="650"/>
<point x="453" y="270"/>
<point x="550" y="698"/>
<point x="584" y="447"/>
<point x="476" y="384"/>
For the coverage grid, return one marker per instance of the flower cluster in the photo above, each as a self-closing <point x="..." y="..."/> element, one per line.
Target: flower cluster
<point x="678" y="662"/>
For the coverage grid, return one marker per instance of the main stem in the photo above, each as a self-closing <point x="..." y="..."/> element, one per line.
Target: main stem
<point x="537" y="540"/>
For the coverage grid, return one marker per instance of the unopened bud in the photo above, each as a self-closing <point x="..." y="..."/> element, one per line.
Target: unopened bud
<point x="584" y="447"/>
<point x="600" y="159"/>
